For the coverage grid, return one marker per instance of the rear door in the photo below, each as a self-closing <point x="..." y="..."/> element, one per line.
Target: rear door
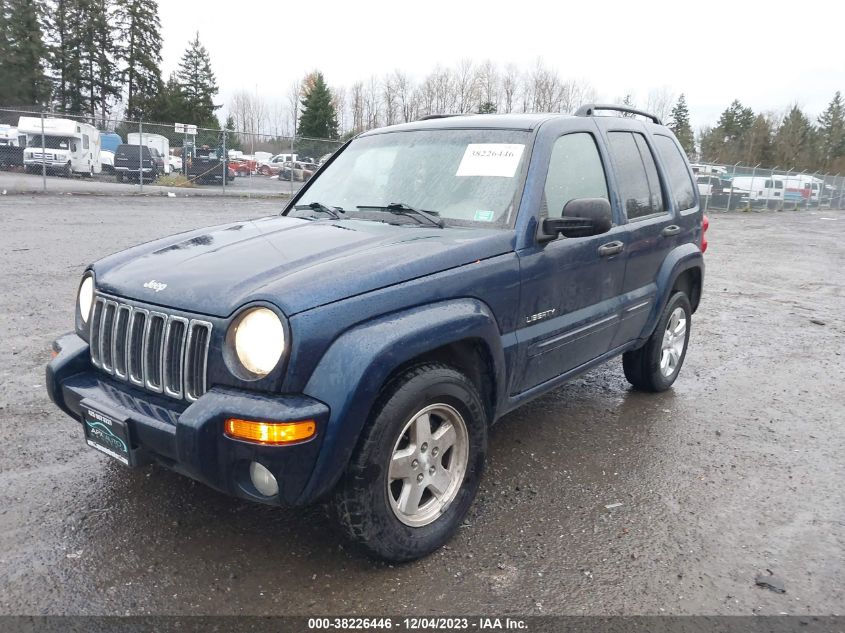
<point x="660" y="206"/>
<point x="570" y="286"/>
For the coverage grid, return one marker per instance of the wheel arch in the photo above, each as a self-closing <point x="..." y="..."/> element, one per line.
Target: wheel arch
<point x="350" y="376"/>
<point x="683" y="269"/>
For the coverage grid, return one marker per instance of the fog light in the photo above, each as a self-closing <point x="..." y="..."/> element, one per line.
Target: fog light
<point x="263" y="480"/>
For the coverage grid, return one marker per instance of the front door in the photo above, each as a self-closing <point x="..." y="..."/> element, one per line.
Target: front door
<point x="570" y="286"/>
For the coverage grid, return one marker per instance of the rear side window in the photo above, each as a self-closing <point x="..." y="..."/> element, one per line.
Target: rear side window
<point x="676" y="171"/>
<point x="575" y="171"/>
<point x="639" y="185"/>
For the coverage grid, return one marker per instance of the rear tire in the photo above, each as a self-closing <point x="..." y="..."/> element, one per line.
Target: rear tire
<point x="118" y="176"/>
<point x="417" y="466"/>
<point x="656" y="365"/>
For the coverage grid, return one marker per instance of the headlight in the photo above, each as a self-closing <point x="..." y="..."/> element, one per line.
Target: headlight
<point x="86" y="297"/>
<point x="259" y="340"/>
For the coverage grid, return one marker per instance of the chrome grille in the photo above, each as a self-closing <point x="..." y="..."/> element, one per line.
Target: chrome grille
<point x="159" y="352"/>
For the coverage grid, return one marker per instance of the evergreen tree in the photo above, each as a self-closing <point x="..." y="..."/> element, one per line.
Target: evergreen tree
<point x="6" y="92"/>
<point x="169" y="104"/>
<point x="831" y="132"/>
<point x="794" y="141"/>
<point x="680" y="125"/>
<point x="64" y="39"/>
<point x="735" y="121"/>
<point x="487" y="107"/>
<point x="23" y="63"/>
<point x="98" y="54"/>
<point x="319" y="117"/>
<point x="198" y="84"/>
<point x="759" y="142"/>
<point x="139" y="30"/>
<point x="232" y="139"/>
<point x="728" y="141"/>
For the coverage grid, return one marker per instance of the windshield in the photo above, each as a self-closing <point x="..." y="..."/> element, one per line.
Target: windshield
<point x="463" y="175"/>
<point x="50" y="142"/>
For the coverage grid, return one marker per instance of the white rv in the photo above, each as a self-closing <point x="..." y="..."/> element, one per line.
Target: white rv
<point x="760" y="188"/>
<point x="161" y="143"/>
<point x="68" y="146"/>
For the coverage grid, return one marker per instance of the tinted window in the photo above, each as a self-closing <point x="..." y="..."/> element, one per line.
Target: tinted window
<point x="639" y="186"/>
<point x="575" y="171"/>
<point x="676" y="171"/>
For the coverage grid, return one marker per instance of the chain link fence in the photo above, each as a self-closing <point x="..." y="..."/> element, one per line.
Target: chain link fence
<point x="43" y="151"/>
<point x="757" y="188"/>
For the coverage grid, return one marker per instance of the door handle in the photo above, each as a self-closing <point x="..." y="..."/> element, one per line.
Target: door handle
<point x="672" y="229"/>
<point x="611" y="248"/>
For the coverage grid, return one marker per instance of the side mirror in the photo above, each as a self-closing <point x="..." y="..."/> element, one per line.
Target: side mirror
<point x="581" y="217"/>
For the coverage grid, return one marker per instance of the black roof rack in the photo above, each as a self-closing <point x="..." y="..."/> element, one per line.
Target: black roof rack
<point x="589" y="109"/>
<point x="428" y="117"/>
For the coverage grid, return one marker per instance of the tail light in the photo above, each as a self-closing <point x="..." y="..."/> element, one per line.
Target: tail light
<point x="705" y="224"/>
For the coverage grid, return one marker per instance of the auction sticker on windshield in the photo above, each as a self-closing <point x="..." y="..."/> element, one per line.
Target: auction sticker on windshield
<point x="490" y="159"/>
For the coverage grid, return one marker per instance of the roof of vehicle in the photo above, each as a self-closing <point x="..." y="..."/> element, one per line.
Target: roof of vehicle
<point x="513" y="121"/>
<point x="522" y="121"/>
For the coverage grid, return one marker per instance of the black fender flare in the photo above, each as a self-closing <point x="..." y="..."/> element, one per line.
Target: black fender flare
<point x="351" y="373"/>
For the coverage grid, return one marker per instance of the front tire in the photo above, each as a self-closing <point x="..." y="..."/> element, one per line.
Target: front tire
<point x="656" y="365"/>
<point x="418" y="465"/>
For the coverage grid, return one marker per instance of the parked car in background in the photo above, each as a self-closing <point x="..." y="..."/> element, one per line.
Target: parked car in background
<point x="109" y="142"/>
<point x="161" y="143"/>
<point x="274" y="165"/>
<point x="162" y="164"/>
<point x="243" y="165"/>
<point x="302" y="172"/>
<point x="137" y="161"/>
<point x="175" y="163"/>
<point x="12" y="144"/>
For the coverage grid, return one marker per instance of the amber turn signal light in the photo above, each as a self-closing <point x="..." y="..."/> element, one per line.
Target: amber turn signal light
<point x="270" y="432"/>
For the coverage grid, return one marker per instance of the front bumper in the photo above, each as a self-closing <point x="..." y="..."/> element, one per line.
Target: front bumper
<point x="50" y="163"/>
<point x="188" y="437"/>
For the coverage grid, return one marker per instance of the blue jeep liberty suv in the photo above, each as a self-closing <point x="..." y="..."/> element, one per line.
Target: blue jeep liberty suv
<point x="430" y="278"/>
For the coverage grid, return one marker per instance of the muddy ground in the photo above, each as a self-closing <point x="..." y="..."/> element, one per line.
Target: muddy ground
<point x="736" y="470"/>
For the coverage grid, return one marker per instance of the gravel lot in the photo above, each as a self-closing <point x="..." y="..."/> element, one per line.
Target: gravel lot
<point x="736" y="470"/>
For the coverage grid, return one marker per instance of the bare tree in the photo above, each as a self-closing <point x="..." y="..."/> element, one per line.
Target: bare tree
<point x="357" y="105"/>
<point x="339" y="102"/>
<point x="293" y="98"/>
<point x="405" y="95"/>
<point x="489" y="85"/>
<point x="510" y="85"/>
<point x="660" y="101"/>
<point x="250" y="113"/>
<point x="372" y="104"/>
<point x="391" y="104"/>
<point x="575" y="93"/>
<point x="466" y="86"/>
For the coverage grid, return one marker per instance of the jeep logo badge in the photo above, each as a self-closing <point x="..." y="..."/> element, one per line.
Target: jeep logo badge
<point x="152" y="284"/>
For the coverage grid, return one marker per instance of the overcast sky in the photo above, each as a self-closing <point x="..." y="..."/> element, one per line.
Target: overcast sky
<point x="768" y="54"/>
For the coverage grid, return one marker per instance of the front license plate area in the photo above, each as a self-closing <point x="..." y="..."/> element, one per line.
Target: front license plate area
<point x="107" y="434"/>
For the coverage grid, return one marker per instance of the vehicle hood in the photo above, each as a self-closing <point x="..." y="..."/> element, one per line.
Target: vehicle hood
<point x="294" y="263"/>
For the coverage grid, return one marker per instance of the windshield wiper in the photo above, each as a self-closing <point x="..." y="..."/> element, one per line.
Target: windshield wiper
<point x="400" y="208"/>
<point x="316" y="206"/>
